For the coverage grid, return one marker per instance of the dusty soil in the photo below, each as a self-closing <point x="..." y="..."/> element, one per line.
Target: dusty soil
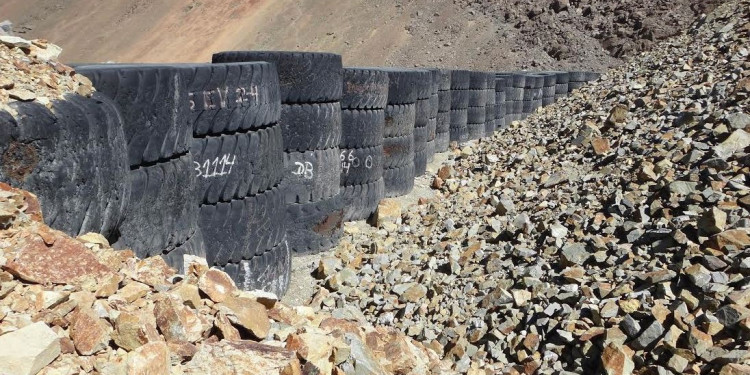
<point x="477" y="34"/>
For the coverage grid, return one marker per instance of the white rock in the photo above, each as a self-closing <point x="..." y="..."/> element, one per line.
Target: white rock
<point x="28" y="350"/>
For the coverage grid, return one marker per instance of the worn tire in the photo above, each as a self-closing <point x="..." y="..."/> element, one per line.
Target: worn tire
<point x="475" y="131"/>
<point x="561" y="89"/>
<point x="421" y="136"/>
<point x="72" y="158"/>
<point x="434" y="105"/>
<point x="444" y="101"/>
<point x="443" y="123"/>
<point x="270" y="271"/>
<point x="195" y="245"/>
<point x="460" y="79"/>
<point x="562" y="77"/>
<point x="304" y="77"/>
<point x="306" y="127"/>
<point x="476" y="115"/>
<point x="477" y="98"/>
<point x="399" y="180"/>
<point x="398" y="151"/>
<point x="444" y="79"/>
<point x="231" y="97"/>
<point x="361" y="201"/>
<point x="422" y="113"/>
<point x="361" y="165"/>
<point x="316" y="226"/>
<point x="153" y="103"/>
<point x="577" y="76"/>
<point x="442" y="141"/>
<point x="234" y="166"/>
<point x="364" y="88"/>
<point x="243" y="228"/>
<point x="312" y="175"/>
<point x="162" y="212"/>
<point x="362" y="127"/>
<point x="399" y="120"/>
<point x="459" y="99"/>
<point x="548" y="101"/>
<point x="405" y="86"/>
<point x="420" y="162"/>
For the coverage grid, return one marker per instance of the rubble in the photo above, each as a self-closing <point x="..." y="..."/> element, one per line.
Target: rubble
<point x="608" y="233"/>
<point x="115" y="314"/>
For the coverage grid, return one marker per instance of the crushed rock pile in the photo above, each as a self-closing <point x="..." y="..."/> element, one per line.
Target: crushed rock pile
<point x="29" y="71"/>
<point x="609" y="233"/>
<point x="74" y="305"/>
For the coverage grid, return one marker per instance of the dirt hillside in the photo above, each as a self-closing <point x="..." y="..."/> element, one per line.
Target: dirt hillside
<point x="480" y="34"/>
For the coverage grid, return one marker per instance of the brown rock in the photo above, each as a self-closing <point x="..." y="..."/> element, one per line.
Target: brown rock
<point x="618" y="114"/>
<point x="388" y="211"/>
<point x="243" y="357"/>
<point x="617" y="360"/>
<point x="153" y="271"/>
<point x="49" y="256"/>
<point x="600" y="145"/>
<point x="89" y="333"/>
<point x="133" y="291"/>
<point x="248" y="314"/>
<point x="313" y="348"/>
<point x="135" y="329"/>
<point x="735" y="369"/>
<point x="225" y="327"/>
<point x="176" y="321"/>
<point x="735" y="237"/>
<point x="217" y="285"/>
<point x="152" y="358"/>
<point x="445" y="172"/>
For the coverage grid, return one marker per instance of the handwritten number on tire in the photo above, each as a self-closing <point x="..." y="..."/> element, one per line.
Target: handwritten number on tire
<point x="218" y="167"/>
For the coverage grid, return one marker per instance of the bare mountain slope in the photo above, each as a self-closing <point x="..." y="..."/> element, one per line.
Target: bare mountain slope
<point x="481" y="34"/>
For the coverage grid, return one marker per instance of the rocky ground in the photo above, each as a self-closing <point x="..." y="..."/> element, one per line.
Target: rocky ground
<point x="608" y="233"/>
<point x="71" y="306"/>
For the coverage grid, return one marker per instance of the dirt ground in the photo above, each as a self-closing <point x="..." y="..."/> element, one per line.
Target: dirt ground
<point x="476" y="34"/>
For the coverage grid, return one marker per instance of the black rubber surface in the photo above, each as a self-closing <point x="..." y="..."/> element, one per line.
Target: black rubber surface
<point x="72" y="158"/>
<point x="314" y="126"/>
<point x="458" y="130"/>
<point x="460" y="79"/>
<point x="361" y="201"/>
<point x="434" y="105"/>
<point x="364" y="88"/>
<point x="231" y="97"/>
<point x="422" y="112"/>
<point x="476" y="115"/>
<point x="444" y="79"/>
<point x="270" y="271"/>
<point x="575" y="85"/>
<point x="561" y="88"/>
<point x="477" y="80"/>
<point x="444" y="100"/>
<point x="420" y="162"/>
<point x="477" y="98"/>
<point x="148" y="97"/>
<point x="460" y="99"/>
<point x="195" y="245"/>
<point x="421" y="136"/>
<point x="475" y="131"/>
<point x="577" y="76"/>
<point x="442" y="141"/>
<point x="162" y="212"/>
<point x="398" y="181"/>
<point x="312" y="175"/>
<point x="443" y="123"/>
<point x="405" y="86"/>
<point x="398" y="151"/>
<point x="243" y="228"/>
<point x="304" y="77"/>
<point x="315" y="227"/>
<point x="548" y="101"/>
<point x="361" y="165"/>
<point x="362" y="128"/>
<point x="562" y="77"/>
<point x="399" y="120"/>
<point x="234" y="166"/>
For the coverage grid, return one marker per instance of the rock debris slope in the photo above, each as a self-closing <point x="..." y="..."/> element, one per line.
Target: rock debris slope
<point x="609" y="233"/>
<point x="75" y="305"/>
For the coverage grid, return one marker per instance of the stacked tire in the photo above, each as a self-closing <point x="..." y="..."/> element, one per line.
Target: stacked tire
<point x="310" y="92"/>
<point x="422" y="109"/>
<point x="502" y="119"/>
<point x="561" y="84"/>
<point x="398" y="130"/>
<point x="363" y="103"/>
<point x="548" y="88"/>
<point x="490" y="123"/>
<point x="532" y="93"/>
<point x="443" y="132"/>
<point x="161" y="215"/>
<point x="238" y="161"/>
<point x="578" y="79"/>
<point x="431" y="147"/>
<point x="477" y="112"/>
<point x="460" y="81"/>
<point x="516" y="95"/>
<point x="73" y="157"/>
